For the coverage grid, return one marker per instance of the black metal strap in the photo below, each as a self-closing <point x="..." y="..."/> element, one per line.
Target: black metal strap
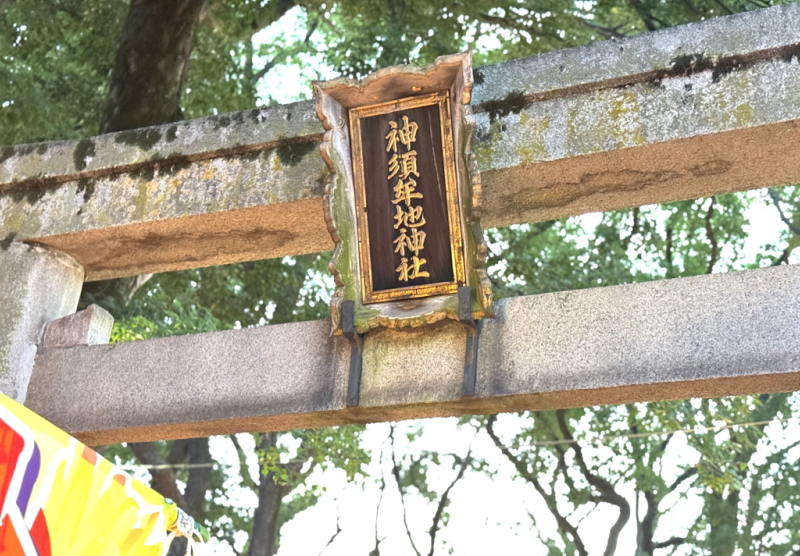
<point x="473" y="329"/>
<point x="356" y="352"/>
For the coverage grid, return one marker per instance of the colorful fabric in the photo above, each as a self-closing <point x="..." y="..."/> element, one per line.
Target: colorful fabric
<point x="60" y="498"/>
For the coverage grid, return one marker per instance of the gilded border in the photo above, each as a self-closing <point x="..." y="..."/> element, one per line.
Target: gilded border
<point x="442" y="99"/>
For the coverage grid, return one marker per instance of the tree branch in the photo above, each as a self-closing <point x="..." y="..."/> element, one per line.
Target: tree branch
<point x="267" y="67"/>
<point x="690" y="6"/>
<point x="776" y="200"/>
<point x="674" y="541"/>
<point x="634" y="226"/>
<point x="376" y="551"/>
<point x="668" y="247"/>
<point x="272" y="11"/>
<point x="647" y="18"/>
<point x="711" y="237"/>
<point x="784" y="258"/>
<point x="396" y="473"/>
<point x="163" y="477"/>
<point x="264" y="532"/>
<point x="333" y="537"/>
<point x="199" y="479"/>
<point x="724" y="7"/>
<point x="244" y="471"/>
<point x="522" y="469"/>
<point x="609" y="494"/>
<point x="516" y="25"/>
<point x="607" y="32"/>
<point x="445" y="496"/>
<point x="690" y="472"/>
<point x="177" y="452"/>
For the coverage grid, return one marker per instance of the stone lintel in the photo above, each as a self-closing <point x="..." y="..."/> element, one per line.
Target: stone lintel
<point x="682" y="113"/>
<point x="707" y="336"/>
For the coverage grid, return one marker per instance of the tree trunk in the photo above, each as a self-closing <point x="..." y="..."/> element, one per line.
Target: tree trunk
<point x="163" y="476"/>
<point x="723" y="517"/>
<point x="264" y="535"/>
<point x="197" y="484"/>
<point x="145" y="89"/>
<point x="646" y="527"/>
<point x="151" y="63"/>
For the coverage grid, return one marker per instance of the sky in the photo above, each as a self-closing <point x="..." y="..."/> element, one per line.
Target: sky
<point x="486" y="512"/>
<point x="489" y="515"/>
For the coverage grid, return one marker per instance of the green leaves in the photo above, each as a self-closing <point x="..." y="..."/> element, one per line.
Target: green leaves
<point x="296" y="455"/>
<point x="55" y="59"/>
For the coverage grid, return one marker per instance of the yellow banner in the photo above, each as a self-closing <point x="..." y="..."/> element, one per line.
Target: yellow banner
<point x="61" y="498"/>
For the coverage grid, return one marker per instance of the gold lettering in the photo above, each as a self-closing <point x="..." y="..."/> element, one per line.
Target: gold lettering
<point x="417" y="273"/>
<point x="404" y="191"/>
<point x="394" y="166"/>
<point x="414" y="242"/>
<point x="406" y="135"/>
<point x="412" y="271"/>
<point x="409" y="163"/>
<point x="393" y="136"/>
<point x="411" y="219"/>
<point x="403" y="269"/>
<point x="406" y="161"/>
<point x="407" y="219"/>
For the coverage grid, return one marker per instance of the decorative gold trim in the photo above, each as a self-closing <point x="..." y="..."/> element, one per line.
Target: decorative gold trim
<point x="442" y="99"/>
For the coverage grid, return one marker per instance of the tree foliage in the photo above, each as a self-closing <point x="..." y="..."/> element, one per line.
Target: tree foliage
<point x="59" y="62"/>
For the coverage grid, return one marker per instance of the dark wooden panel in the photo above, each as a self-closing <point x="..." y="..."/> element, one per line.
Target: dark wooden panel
<point x="380" y="194"/>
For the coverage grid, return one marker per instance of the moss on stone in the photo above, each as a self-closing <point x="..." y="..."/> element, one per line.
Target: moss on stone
<point x="83" y="150"/>
<point x="6" y="153"/>
<point x="292" y="153"/>
<point x="86" y="186"/>
<point x="28" y="194"/>
<point x="743" y="114"/>
<point x="514" y="102"/>
<point x="5" y="243"/>
<point x="533" y="148"/>
<point x="624" y="111"/>
<point x="144" y="138"/>
<point x="790" y="52"/>
<point x="141" y="199"/>
<point x="688" y="64"/>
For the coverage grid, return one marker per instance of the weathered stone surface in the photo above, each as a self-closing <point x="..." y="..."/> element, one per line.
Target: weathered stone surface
<point x="189" y="381"/>
<point x="721" y="43"/>
<point x="37" y="285"/>
<point x="695" y="110"/>
<point x="707" y="336"/>
<point x="670" y="338"/>
<point x="89" y="327"/>
<point x="191" y="140"/>
<point x="413" y="366"/>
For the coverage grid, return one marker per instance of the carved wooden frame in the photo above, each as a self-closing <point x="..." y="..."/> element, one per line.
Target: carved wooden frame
<point x="442" y="100"/>
<point x="335" y="102"/>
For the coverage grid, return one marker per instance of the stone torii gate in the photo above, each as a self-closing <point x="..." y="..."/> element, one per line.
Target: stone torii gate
<point x="697" y="110"/>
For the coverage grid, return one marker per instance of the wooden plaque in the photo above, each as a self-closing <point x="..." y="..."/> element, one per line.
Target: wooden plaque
<point x="401" y="202"/>
<point x="409" y="230"/>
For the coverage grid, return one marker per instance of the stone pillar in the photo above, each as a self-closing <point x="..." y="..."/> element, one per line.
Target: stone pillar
<point x="37" y="285"/>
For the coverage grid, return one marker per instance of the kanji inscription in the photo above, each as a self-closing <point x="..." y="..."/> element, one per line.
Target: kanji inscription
<point x="409" y="225"/>
<point x="402" y="200"/>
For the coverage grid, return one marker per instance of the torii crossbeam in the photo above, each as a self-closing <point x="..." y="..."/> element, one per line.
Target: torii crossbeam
<point x="697" y="110"/>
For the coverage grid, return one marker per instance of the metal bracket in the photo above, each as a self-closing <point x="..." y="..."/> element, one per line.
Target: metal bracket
<point x="356" y="352"/>
<point x="473" y="329"/>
